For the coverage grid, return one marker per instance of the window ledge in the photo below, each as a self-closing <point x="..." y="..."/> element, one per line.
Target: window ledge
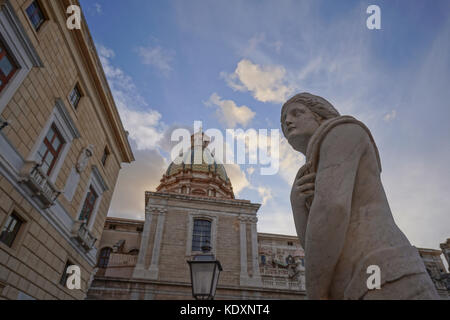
<point x="38" y="184"/>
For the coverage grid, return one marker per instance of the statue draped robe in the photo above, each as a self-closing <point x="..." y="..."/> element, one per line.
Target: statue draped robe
<point x="349" y="223"/>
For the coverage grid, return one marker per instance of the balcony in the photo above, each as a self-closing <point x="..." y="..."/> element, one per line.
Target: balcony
<point x="283" y="283"/>
<point x="38" y="183"/>
<point x="83" y="236"/>
<point x="122" y="260"/>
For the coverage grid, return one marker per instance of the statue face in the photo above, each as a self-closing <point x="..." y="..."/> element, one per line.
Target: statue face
<point x="299" y="124"/>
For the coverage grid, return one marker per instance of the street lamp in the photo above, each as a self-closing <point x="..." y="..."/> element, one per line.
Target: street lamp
<point x="205" y="271"/>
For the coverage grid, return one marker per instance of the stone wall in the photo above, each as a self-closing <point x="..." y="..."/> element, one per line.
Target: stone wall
<point x="35" y="263"/>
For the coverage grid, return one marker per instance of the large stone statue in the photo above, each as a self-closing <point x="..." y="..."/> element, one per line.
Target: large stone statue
<point x="341" y="212"/>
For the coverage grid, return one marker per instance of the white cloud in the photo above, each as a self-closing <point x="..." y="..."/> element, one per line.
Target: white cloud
<point x="276" y="218"/>
<point x="265" y="193"/>
<point x="144" y="127"/>
<point x="390" y="116"/>
<point x="289" y="160"/>
<point x="229" y="113"/>
<point x="134" y="179"/>
<point x="143" y="123"/>
<point x="105" y="52"/>
<point x="237" y="177"/>
<point x="157" y="57"/>
<point x="266" y="83"/>
<point x="98" y="7"/>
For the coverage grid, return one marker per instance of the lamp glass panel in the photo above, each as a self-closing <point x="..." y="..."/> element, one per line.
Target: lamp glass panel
<point x="202" y="274"/>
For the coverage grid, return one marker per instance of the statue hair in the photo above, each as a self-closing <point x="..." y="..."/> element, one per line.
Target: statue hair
<point x="317" y="105"/>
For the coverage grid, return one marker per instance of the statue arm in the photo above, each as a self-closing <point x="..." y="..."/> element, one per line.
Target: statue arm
<point x="299" y="209"/>
<point x="330" y="211"/>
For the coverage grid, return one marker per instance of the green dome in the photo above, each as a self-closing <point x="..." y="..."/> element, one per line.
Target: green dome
<point x="186" y="161"/>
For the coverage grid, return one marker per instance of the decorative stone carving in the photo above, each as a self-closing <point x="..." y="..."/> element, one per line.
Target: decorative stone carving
<point x="83" y="158"/>
<point x="341" y="212"/>
<point x="82" y="235"/>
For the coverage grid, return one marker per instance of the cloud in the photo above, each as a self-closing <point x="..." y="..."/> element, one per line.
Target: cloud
<point x="390" y="116"/>
<point x="134" y="179"/>
<point x="416" y="157"/>
<point x="144" y="127"/>
<point x="98" y="7"/>
<point x="157" y="57"/>
<point x="229" y="113"/>
<point x="144" y="124"/>
<point x="418" y="197"/>
<point x="277" y="219"/>
<point x="250" y="170"/>
<point x="265" y="193"/>
<point x="237" y="177"/>
<point x="290" y="161"/>
<point x="266" y="83"/>
<point x="259" y="41"/>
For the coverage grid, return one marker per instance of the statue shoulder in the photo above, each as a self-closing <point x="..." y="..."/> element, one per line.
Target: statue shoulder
<point x="337" y="139"/>
<point x="344" y="139"/>
<point x="345" y="133"/>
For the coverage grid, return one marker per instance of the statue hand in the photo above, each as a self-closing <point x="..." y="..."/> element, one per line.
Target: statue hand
<point x="302" y="191"/>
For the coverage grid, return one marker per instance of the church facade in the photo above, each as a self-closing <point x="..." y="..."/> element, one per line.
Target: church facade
<point x="195" y="205"/>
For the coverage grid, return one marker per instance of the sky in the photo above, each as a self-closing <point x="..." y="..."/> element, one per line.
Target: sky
<point x="232" y="64"/>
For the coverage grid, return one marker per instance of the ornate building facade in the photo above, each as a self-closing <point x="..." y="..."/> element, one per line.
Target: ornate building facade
<point x="195" y="205"/>
<point x="62" y="144"/>
<point x="436" y="269"/>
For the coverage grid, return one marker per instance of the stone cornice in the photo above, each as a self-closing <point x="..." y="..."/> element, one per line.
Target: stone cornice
<point x="85" y="45"/>
<point x="211" y="200"/>
<point x="244" y="219"/>
<point x="188" y="285"/>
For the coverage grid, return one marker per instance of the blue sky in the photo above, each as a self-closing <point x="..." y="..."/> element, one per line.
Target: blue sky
<point x="232" y="64"/>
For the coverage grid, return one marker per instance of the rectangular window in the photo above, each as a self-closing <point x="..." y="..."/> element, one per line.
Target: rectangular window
<point x="105" y="156"/>
<point x="75" y="96"/>
<point x="11" y="229"/>
<point x="104" y="257"/>
<point x="7" y="66"/>
<point x="64" y="276"/>
<point x="50" y="149"/>
<point x="201" y="235"/>
<point x="35" y="14"/>
<point x="89" y="204"/>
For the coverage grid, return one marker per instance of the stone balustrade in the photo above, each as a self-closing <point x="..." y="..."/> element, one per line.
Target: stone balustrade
<point x="122" y="260"/>
<point x="282" y="283"/>
<point x="39" y="184"/>
<point x="83" y="235"/>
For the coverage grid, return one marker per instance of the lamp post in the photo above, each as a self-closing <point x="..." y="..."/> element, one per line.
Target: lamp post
<point x="205" y="271"/>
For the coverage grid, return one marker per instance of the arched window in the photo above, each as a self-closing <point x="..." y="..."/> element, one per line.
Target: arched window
<point x="263" y="260"/>
<point x="199" y="192"/>
<point x="201" y="234"/>
<point x="103" y="259"/>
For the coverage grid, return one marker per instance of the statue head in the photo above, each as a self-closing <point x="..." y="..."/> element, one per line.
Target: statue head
<point x="301" y="115"/>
